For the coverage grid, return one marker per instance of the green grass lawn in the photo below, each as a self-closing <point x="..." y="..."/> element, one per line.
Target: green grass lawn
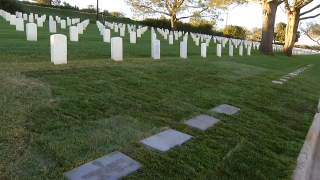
<point x="55" y="118"/>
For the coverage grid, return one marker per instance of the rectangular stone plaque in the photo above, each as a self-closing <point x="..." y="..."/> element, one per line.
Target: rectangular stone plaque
<point x="226" y="109"/>
<point x="202" y="122"/>
<point x="166" y="140"/>
<point x="110" y="167"/>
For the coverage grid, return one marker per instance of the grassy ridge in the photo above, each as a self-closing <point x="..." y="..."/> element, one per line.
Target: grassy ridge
<point x="72" y="14"/>
<point x="54" y="118"/>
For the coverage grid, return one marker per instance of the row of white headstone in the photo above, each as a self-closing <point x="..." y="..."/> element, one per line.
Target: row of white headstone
<point x="105" y="31"/>
<point x="31" y="28"/>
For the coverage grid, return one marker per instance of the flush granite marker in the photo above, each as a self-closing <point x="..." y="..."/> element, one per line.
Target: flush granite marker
<point x="226" y="109"/>
<point x="166" y="140"/>
<point x="202" y="122"/>
<point x="110" y="167"/>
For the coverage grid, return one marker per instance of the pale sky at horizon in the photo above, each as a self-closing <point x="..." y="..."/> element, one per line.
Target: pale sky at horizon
<point x="243" y="15"/>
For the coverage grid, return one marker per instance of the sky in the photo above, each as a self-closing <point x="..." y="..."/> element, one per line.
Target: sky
<point x="243" y="15"/>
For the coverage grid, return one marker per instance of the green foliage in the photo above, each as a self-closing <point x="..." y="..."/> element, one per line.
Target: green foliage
<point x="166" y="23"/>
<point x="177" y="9"/>
<point x="47" y="2"/>
<point x="64" y="5"/>
<point x="280" y="32"/>
<point x="10" y="6"/>
<point x="117" y="14"/>
<point x="234" y="32"/>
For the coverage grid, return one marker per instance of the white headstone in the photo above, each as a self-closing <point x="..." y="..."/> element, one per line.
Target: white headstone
<point x="36" y="16"/>
<point x="58" y="44"/>
<point x="116" y="49"/>
<point x="25" y="17"/>
<point x="20" y="24"/>
<point x="156" y="49"/>
<point x="203" y="49"/>
<point x="31" y="32"/>
<point x="116" y="28"/>
<point x="8" y="17"/>
<point x="31" y="20"/>
<point x="183" y="49"/>
<point x="138" y="33"/>
<point x="249" y="50"/>
<point x="40" y="22"/>
<point x="80" y="28"/>
<point x="106" y="35"/>
<point x="230" y="50"/>
<point x="122" y="32"/>
<point x="219" y="50"/>
<point x="13" y="20"/>
<point x="197" y="41"/>
<point x="133" y="37"/>
<point x="241" y="50"/>
<point x="52" y="26"/>
<point x="69" y="22"/>
<point x="63" y="24"/>
<point x="74" y="36"/>
<point x="170" y="39"/>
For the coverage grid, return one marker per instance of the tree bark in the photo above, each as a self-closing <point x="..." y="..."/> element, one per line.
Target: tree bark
<point x="174" y="22"/>
<point x="269" y="10"/>
<point x="97" y="10"/>
<point x="291" y="31"/>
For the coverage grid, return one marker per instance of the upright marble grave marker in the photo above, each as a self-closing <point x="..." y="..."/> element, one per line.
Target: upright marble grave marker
<point x="13" y="20"/>
<point x="156" y="49"/>
<point x="219" y="50"/>
<point x="25" y="17"/>
<point x="133" y="37"/>
<point x="170" y="39"/>
<point x="183" y="49"/>
<point x="241" y="50"/>
<point x="106" y="35"/>
<point x="116" y="49"/>
<point x="110" y="167"/>
<point x="58" y="44"/>
<point x="74" y="36"/>
<point x="31" y="20"/>
<point x="63" y="24"/>
<point x="230" y="50"/>
<point x="203" y="49"/>
<point x="20" y="24"/>
<point x="52" y="26"/>
<point x="197" y="41"/>
<point x="249" y="50"/>
<point x="31" y="32"/>
<point x="80" y="28"/>
<point x="139" y="33"/>
<point x="122" y="32"/>
<point x="40" y="22"/>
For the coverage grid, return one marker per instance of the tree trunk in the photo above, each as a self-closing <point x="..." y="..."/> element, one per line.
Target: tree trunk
<point x="174" y="22"/>
<point x="269" y="10"/>
<point x="291" y="31"/>
<point x="97" y="10"/>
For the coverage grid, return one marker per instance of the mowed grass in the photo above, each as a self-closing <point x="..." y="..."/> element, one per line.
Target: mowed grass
<point x="55" y="118"/>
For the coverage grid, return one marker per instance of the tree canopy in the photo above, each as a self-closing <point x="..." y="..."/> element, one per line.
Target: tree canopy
<point x="280" y="32"/>
<point x="234" y="31"/>
<point x="179" y="9"/>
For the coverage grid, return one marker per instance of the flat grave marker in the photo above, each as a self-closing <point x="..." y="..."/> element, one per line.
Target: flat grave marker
<point x="202" y="122"/>
<point x="110" y="167"/>
<point x="226" y="109"/>
<point x="166" y="140"/>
